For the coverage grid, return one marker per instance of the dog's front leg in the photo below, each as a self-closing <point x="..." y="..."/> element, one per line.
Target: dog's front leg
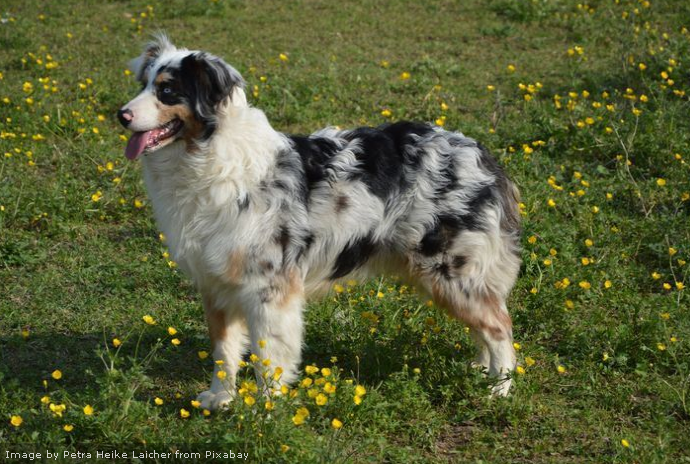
<point x="228" y="332"/>
<point x="276" y="331"/>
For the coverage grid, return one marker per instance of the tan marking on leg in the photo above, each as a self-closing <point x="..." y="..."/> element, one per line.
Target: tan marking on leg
<point x="216" y="322"/>
<point x="235" y="268"/>
<point x="497" y="321"/>
<point x="292" y="286"/>
<point x="489" y="318"/>
<point x="445" y="301"/>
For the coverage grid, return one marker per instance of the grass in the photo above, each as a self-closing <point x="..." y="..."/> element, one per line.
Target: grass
<point x="600" y="309"/>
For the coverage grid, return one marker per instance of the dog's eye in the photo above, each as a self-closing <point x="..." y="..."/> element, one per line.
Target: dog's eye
<point x="167" y="90"/>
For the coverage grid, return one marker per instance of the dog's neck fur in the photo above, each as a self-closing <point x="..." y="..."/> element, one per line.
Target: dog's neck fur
<point x="240" y="154"/>
<point x="191" y="190"/>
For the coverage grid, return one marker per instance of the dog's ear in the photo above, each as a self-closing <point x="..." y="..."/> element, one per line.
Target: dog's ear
<point x="214" y="80"/>
<point x="140" y="65"/>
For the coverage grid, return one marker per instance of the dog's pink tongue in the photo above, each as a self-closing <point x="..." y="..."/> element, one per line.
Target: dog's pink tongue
<point x="136" y="145"/>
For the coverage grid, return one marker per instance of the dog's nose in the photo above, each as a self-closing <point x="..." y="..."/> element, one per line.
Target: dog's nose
<point x="125" y="117"/>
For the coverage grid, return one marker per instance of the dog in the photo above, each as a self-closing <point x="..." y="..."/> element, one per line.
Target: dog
<point x="258" y="219"/>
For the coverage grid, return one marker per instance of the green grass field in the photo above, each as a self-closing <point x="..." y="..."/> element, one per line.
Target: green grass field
<point x="586" y="106"/>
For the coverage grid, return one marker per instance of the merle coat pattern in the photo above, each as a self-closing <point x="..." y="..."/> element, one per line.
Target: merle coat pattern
<point x="259" y="219"/>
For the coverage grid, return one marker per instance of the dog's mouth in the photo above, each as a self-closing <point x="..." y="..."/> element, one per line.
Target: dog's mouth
<point x="150" y="141"/>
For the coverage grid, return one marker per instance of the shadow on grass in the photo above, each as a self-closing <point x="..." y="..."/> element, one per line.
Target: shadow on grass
<point x="83" y="358"/>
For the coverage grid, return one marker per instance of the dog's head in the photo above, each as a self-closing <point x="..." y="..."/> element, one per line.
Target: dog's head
<point x="182" y="92"/>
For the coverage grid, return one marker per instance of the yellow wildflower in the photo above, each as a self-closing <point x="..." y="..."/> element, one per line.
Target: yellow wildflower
<point x="57" y="409"/>
<point x="329" y="388"/>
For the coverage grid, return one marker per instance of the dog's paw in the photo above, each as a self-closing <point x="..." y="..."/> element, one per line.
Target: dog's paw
<point x="501" y="387"/>
<point x="214" y="400"/>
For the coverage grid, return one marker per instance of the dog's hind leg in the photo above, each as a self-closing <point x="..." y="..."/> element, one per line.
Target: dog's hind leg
<point x="228" y="333"/>
<point x="490" y="327"/>
<point x="493" y="332"/>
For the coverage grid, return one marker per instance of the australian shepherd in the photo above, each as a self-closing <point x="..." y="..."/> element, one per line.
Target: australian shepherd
<point x="258" y="219"/>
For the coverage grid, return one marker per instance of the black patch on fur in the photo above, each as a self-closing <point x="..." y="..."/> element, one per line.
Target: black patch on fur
<point x="341" y="203"/>
<point x="381" y="161"/>
<point x="381" y="153"/>
<point x="482" y="197"/>
<point x="355" y="254"/>
<point x="205" y="81"/>
<point x="447" y="181"/>
<point x="439" y="238"/>
<point x="266" y="266"/>
<point x="459" y="261"/>
<point x="279" y="184"/>
<point x="283" y="239"/>
<point x="243" y="202"/>
<point x="169" y="92"/>
<point x="315" y="153"/>
<point x="404" y="135"/>
<point x="290" y="165"/>
<point x="444" y="270"/>
<point x="308" y="241"/>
